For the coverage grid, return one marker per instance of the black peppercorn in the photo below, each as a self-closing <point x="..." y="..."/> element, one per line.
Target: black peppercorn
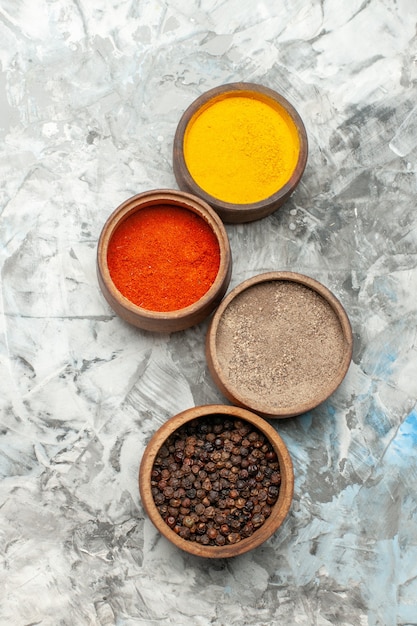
<point x="184" y="532"/>
<point x="257" y="520"/>
<point x="273" y="491"/>
<point x="212" y="533"/>
<point x="159" y="498"/>
<point x="215" y="481"/>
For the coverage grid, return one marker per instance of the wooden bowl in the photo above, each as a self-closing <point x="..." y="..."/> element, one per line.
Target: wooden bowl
<point x="252" y="203"/>
<point x="279" y="344"/>
<point x="213" y="413"/>
<point x="167" y="321"/>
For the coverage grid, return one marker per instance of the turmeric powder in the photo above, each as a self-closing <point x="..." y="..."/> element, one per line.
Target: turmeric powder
<point x="241" y="148"/>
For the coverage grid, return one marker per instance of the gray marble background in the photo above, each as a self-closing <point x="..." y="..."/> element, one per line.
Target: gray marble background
<point x="90" y="96"/>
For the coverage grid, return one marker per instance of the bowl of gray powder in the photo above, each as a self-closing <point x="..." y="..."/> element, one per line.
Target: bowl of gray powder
<point x="279" y="344"/>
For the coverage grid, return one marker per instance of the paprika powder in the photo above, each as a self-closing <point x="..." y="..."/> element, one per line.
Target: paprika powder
<point x="163" y="258"/>
<point x="241" y="148"/>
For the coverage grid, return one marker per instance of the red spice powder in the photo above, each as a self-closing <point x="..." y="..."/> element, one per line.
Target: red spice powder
<point x="163" y="258"/>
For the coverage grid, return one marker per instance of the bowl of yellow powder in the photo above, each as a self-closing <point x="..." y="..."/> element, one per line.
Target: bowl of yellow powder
<point x="241" y="147"/>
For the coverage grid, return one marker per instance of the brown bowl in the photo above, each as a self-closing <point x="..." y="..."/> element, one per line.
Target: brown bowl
<point x="251" y="204"/>
<point x="186" y="518"/>
<point x="164" y="321"/>
<point x="279" y="344"/>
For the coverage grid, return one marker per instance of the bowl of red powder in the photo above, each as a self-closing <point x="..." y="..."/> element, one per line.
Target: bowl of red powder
<point x="163" y="260"/>
<point x="216" y="480"/>
<point x="279" y="344"/>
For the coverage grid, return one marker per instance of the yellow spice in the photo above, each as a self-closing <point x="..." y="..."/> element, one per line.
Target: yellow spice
<point x="241" y="149"/>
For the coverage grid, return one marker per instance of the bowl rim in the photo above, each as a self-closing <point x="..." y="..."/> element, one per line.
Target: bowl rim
<point x="280" y="508"/>
<point x="258" y="406"/>
<point x="153" y="197"/>
<point x="229" y="211"/>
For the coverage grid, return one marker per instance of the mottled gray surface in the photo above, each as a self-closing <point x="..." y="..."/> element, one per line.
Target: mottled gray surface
<point x="90" y="96"/>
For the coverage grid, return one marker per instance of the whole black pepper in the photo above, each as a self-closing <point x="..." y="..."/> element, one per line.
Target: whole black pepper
<point x="215" y="480"/>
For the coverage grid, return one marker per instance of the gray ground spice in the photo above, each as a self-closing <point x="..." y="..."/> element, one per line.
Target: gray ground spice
<point x="280" y="343"/>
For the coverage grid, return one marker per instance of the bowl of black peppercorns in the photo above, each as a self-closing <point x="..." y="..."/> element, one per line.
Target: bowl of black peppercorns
<point x="216" y="480"/>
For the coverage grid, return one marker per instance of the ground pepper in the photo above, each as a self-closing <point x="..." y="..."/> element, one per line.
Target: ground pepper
<point x="163" y="258"/>
<point x="241" y="148"/>
<point x="280" y="341"/>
